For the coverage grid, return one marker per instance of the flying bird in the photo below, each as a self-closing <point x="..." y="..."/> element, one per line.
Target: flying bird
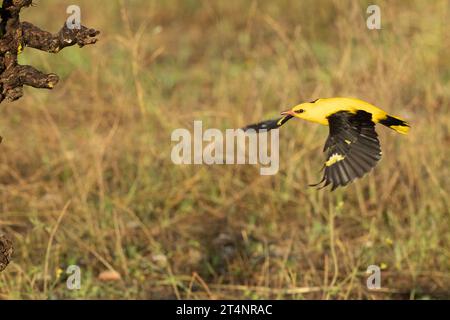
<point x="352" y="148"/>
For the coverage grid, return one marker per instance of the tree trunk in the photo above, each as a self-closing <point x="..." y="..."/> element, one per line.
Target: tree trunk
<point x="15" y="36"/>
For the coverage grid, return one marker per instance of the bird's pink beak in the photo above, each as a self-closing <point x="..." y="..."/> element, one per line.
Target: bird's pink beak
<point x="288" y="113"/>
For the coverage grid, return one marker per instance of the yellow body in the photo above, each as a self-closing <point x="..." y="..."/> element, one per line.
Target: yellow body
<point x="321" y="109"/>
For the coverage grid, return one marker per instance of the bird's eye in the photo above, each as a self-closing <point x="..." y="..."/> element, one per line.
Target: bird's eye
<point x="300" y="111"/>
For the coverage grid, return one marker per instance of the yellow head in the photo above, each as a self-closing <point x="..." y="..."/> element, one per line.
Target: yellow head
<point x="304" y="111"/>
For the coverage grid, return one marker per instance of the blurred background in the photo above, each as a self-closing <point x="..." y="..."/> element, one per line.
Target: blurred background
<point x="86" y="177"/>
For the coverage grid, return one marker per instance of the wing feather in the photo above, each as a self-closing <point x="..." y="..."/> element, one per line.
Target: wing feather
<point x="353" y="148"/>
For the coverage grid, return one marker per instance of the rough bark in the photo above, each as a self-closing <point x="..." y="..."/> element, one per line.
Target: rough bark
<point x="6" y="250"/>
<point x="15" y="36"/>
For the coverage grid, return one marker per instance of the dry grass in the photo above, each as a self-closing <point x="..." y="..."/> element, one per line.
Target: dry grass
<point x="86" y="176"/>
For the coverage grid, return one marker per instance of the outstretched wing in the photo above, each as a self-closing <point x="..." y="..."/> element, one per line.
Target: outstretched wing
<point x="353" y="148"/>
<point x="269" y="124"/>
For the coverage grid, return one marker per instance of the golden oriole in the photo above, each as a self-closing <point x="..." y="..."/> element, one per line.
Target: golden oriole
<point x="352" y="147"/>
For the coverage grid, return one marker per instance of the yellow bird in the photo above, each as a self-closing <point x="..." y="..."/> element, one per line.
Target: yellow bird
<point x="352" y="147"/>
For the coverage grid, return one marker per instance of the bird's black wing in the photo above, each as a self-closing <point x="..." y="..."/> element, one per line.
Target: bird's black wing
<point x="353" y="148"/>
<point x="269" y="124"/>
